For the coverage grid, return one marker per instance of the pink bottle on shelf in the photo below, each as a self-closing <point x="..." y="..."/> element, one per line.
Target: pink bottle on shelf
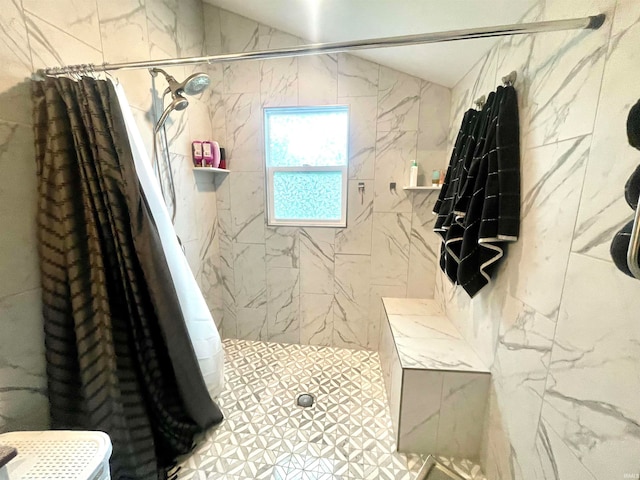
<point x="207" y="154"/>
<point x="196" y="153"/>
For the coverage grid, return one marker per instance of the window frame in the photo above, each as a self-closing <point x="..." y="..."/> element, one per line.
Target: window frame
<point x="344" y="169"/>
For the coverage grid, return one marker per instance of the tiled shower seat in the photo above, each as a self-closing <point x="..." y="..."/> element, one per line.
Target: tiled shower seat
<point x="436" y="384"/>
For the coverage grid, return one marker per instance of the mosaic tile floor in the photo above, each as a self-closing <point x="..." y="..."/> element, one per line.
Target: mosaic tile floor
<point x="346" y="434"/>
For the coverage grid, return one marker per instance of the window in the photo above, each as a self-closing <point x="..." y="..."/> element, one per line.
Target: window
<point x="306" y="150"/>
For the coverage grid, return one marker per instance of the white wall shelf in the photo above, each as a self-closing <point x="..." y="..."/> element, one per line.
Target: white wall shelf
<point x="211" y="170"/>
<point x="421" y="189"/>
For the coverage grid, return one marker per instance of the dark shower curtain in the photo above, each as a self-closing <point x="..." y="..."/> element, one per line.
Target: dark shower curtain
<point x="115" y="334"/>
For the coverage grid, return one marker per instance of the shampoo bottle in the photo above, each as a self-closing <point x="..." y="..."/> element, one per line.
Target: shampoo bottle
<point x="413" y="177"/>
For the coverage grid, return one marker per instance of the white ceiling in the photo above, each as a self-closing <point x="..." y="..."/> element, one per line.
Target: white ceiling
<point x="340" y="20"/>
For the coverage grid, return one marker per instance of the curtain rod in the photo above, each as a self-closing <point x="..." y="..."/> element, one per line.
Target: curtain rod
<point x="585" y="23"/>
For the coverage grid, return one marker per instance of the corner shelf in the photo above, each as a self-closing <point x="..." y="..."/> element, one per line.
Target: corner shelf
<point x="211" y="170"/>
<point x="421" y="189"/>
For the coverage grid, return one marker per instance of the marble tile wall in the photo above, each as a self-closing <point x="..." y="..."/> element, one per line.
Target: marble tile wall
<point x="35" y="34"/>
<point x="322" y="286"/>
<point x="560" y="324"/>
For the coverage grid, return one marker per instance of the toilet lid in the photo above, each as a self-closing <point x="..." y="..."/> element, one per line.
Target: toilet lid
<point x="59" y="454"/>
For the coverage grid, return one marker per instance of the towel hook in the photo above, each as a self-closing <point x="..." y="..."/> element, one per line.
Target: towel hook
<point x="480" y="102"/>
<point x="510" y="80"/>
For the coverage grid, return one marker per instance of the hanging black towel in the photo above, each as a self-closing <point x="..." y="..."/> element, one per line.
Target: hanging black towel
<point x="619" y="247"/>
<point x="493" y="213"/>
<point x="472" y="153"/>
<point x="632" y="189"/>
<point x="448" y="195"/>
<point x="633" y="126"/>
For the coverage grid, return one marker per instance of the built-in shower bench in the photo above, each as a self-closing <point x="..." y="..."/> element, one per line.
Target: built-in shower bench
<point x="436" y="384"/>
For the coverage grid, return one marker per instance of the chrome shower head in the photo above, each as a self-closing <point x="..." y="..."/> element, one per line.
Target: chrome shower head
<point x="196" y="83"/>
<point x="192" y="85"/>
<point x="178" y="103"/>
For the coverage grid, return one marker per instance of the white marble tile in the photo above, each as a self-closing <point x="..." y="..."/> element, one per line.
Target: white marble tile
<point x="206" y="215"/>
<point x="283" y="247"/>
<point x="552" y="178"/>
<point x="593" y="376"/>
<point x="411" y="306"/>
<point x="18" y="186"/>
<point x="185" y="222"/>
<point x="249" y="275"/>
<point x="247" y="207"/>
<point x="392" y="375"/>
<point x="356" y="77"/>
<point x="16" y="68"/>
<point x="252" y="323"/>
<point x="223" y="189"/>
<point x="244" y="132"/>
<point x="279" y="82"/>
<point x="480" y="80"/>
<point x="566" y="72"/>
<point x="23" y="397"/>
<point x="356" y="238"/>
<point x="213" y="97"/>
<point x="199" y="122"/>
<point x="283" y="305"/>
<point x="77" y="18"/>
<point x="210" y="282"/>
<point x="351" y="308"/>
<point x="241" y="77"/>
<point x="51" y="46"/>
<point x="317" y="80"/>
<point x="422" y="327"/>
<point x="212" y="34"/>
<point x="443" y="354"/>
<point x="433" y="121"/>
<point x="190" y="31"/>
<point x="557" y="460"/>
<point x="394" y="153"/>
<point x="144" y="122"/>
<point x="464" y="402"/>
<point x="123" y="28"/>
<point x="316" y="319"/>
<point x="376" y="310"/>
<point x="239" y="34"/>
<point x="270" y="38"/>
<point x="420" y="411"/>
<point x="514" y="54"/>
<point x="398" y="101"/>
<point x="519" y="374"/>
<point x="162" y="25"/>
<point x="317" y="256"/>
<point x="362" y="136"/>
<point x="227" y="273"/>
<point x="603" y="209"/>
<point x="424" y="253"/>
<point x="390" y="248"/>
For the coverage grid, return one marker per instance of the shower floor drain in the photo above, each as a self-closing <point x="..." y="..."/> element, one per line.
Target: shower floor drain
<point x="305" y="400"/>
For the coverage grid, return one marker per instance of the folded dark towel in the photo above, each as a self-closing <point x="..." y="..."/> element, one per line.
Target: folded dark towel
<point x="633" y="126"/>
<point x="6" y="454"/>
<point x="619" y="247"/>
<point x="632" y="189"/>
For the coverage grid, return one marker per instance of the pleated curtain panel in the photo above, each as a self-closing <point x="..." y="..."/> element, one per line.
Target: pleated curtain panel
<point x="119" y="357"/>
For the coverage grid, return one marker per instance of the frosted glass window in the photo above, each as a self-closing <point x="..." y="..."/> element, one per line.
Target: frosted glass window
<point x="306" y="153"/>
<point x="307" y="195"/>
